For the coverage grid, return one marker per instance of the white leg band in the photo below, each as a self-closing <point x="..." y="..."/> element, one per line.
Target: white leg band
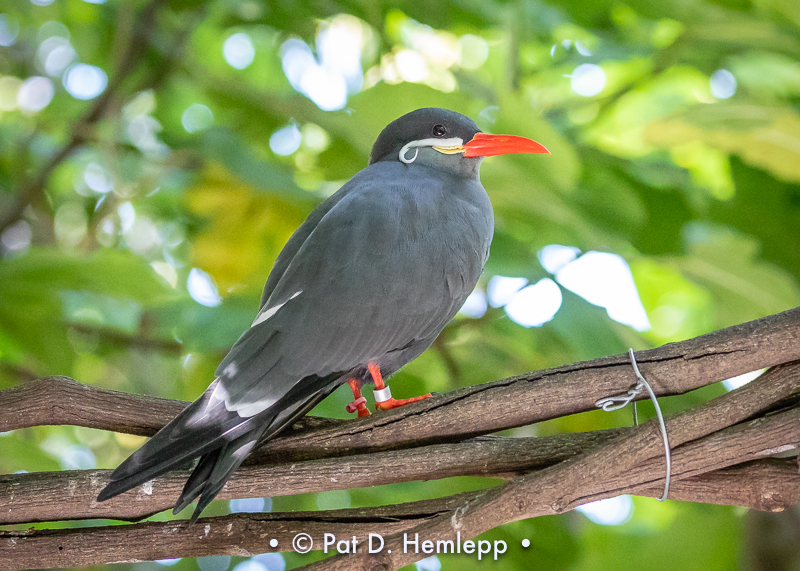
<point x="383" y="395"/>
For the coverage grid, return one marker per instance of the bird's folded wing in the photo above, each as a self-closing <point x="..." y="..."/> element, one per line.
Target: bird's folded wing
<point x="358" y="287"/>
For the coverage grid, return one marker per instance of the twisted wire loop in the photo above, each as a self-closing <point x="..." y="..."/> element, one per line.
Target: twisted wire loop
<point x="617" y="402"/>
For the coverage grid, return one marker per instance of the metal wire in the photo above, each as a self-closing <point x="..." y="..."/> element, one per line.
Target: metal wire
<point x="612" y="403"/>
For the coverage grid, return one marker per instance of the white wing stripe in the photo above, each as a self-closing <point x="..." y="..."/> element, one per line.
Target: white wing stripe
<point x="266" y="313"/>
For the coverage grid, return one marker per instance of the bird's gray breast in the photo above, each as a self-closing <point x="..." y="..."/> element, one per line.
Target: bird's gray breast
<point x="433" y="240"/>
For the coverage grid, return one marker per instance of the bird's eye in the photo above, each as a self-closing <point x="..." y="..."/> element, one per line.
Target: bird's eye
<point x="439" y="130"/>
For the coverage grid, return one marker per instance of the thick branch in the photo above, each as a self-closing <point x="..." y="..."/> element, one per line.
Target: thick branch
<point x="609" y="469"/>
<point x="769" y="485"/>
<point x="61" y="400"/>
<point x="52" y="496"/>
<point x="672" y="369"/>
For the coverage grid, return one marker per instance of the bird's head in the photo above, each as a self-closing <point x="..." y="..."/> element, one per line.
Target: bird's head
<point x="444" y="139"/>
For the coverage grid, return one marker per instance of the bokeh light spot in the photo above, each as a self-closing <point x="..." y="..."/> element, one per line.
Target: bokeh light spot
<point x="196" y="118"/>
<point x="606" y="280"/>
<point x="127" y="215"/>
<point x="52" y="28"/>
<point x="9" y="87"/>
<point x="70" y="224"/>
<point x="285" y="141"/>
<point x="270" y="561"/>
<point x="431" y="563"/>
<point x="474" y="51"/>
<point x="142" y="236"/>
<point x="501" y="289"/>
<point x="588" y="80"/>
<point x="35" y="94"/>
<point x="84" y="81"/>
<point x="97" y="178"/>
<point x="742" y="380"/>
<point x="166" y="271"/>
<point x="250" y="505"/>
<point x="250" y="565"/>
<point x="8" y="30"/>
<point x="582" y="48"/>
<point x="324" y="87"/>
<point x="16" y="237"/>
<point x="337" y="73"/>
<point x="723" y="84"/>
<point x="214" y="563"/>
<point x="553" y="257"/>
<point x="55" y="54"/>
<point x="535" y="305"/>
<point x="475" y="305"/>
<point x="411" y="66"/>
<point x="202" y="288"/>
<point x="238" y="50"/>
<point x="611" y="511"/>
<point x="339" y="45"/>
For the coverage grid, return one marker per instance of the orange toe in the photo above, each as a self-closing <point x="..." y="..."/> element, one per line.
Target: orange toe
<point x="397" y="403"/>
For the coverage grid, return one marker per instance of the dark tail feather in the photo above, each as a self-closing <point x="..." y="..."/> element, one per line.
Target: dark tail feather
<point x="194" y="485"/>
<point x="194" y="432"/>
<point x="214" y="469"/>
<point x="228" y="460"/>
<point x="221" y="438"/>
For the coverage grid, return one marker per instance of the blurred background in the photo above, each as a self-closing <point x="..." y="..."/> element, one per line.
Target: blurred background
<point x="156" y="156"/>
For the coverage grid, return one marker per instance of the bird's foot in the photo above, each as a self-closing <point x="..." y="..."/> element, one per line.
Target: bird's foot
<point x="360" y="405"/>
<point x="383" y="394"/>
<point x="397" y="403"/>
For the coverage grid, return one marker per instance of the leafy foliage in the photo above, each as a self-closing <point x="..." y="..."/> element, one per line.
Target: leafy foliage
<point x="677" y="148"/>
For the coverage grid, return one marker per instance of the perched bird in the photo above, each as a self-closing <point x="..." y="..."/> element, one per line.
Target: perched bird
<point x="363" y="286"/>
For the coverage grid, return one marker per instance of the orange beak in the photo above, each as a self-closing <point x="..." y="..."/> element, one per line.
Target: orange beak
<point x="485" y="145"/>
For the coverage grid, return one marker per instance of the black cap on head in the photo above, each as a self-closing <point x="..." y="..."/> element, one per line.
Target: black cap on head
<point x="425" y="123"/>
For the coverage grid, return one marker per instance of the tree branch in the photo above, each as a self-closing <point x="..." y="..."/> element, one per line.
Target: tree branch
<point x="117" y="338"/>
<point x="632" y="459"/>
<point x="768" y="485"/>
<point x="671" y="369"/>
<point x="560" y="472"/>
<point x="771" y="486"/>
<point x="52" y="496"/>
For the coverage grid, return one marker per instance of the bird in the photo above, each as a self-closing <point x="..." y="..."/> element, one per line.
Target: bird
<point x="364" y="285"/>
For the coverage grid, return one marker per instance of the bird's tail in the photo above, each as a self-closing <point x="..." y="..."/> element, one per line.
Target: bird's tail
<point x="222" y="440"/>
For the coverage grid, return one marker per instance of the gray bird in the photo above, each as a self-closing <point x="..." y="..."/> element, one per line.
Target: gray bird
<point x="363" y="286"/>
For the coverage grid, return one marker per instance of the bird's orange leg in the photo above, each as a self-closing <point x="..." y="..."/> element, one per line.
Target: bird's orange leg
<point x="360" y="403"/>
<point x="388" y="402"/>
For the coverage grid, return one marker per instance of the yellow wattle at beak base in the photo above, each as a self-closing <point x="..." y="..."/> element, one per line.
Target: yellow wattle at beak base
<point x="450" y="150"/>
